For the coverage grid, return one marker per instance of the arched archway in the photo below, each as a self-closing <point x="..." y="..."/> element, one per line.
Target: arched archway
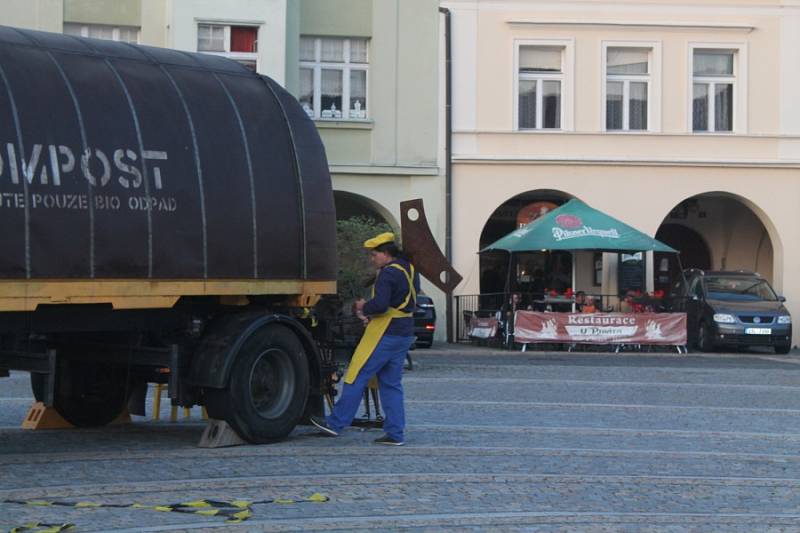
<point x="349" y="205"/>
<point x="719" y="231"/>
<point x="531" y="271"/>
<point x="694" y="253"/>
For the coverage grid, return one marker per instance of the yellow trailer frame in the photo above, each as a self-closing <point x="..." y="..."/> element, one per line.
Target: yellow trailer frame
<point x="27" y="295"/>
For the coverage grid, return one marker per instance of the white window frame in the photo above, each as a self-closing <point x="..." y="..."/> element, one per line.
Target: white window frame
<point x="567" y="77"/>
<point x="739" y="80"/>
<point x="114" y="30"/>
<point x="653" y="80"/>
<point x="236" y="56"/>
<point x="317" y="66"/>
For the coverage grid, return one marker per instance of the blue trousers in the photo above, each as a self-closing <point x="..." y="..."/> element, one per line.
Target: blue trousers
<point x="386" y="362"/>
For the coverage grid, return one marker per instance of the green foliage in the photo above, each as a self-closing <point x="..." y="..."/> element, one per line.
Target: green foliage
<point x="355" y="269"/>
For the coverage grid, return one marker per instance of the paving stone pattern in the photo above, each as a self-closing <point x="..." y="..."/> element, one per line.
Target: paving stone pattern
<point x="496" y="442"/>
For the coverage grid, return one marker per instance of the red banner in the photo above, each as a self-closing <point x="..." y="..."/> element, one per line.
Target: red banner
<point x="601" y="328"/>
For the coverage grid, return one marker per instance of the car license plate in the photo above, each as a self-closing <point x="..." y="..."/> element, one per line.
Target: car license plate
<point x="758" y="331"/>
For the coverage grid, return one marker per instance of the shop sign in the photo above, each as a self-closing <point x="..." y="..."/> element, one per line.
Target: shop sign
<point x="600" y="328"/>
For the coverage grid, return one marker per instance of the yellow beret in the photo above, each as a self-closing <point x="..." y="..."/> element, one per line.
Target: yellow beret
<point x="383" y="238"/>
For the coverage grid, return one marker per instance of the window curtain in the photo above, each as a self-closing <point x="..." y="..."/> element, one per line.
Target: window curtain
<point x="358" y="50"/>
<point x="637" y="110"/>
<point x="332" y="50"/>
<point x="540" y="59"/>
<point x="723" y="107"/>
<point x="627" y="61"/>
<point x="307" y="49"/>
<point x="713" y="63"/>
<point x="358" y="94"/>
<point x="243" y="39"/>
<point x="527" y="104"/>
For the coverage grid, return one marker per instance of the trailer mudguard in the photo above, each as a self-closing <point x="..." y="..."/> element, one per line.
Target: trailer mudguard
<point x="212" y="361"/>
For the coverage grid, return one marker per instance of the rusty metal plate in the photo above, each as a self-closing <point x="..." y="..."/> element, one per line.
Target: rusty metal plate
<point x="419" y="242"/>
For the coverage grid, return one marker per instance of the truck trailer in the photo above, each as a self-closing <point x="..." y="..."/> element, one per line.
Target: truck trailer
<point x="167" y="217"/>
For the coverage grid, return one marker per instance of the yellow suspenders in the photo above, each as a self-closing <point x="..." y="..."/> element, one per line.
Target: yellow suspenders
<point x="377" y="327"/>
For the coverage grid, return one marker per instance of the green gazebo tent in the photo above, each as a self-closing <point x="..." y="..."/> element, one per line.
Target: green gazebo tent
<point x="576" y="226"/>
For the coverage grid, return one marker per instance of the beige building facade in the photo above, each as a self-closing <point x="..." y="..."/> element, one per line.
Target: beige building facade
<point x="680" y="121"/>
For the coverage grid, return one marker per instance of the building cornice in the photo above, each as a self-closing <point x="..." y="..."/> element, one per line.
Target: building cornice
<point x="635" y="25"/>
<point x="775" y="136"/>
<point x="385" y="170"/>
<point x="627" y="161"/>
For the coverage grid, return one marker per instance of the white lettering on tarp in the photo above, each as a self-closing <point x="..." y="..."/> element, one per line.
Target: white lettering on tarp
<point x="109" y="203"/>
<point x="125" y="167"/>
<point x="152" y="203"/>
<point x="69" y="164"/>
<point x="15" y="200"/>
<point x="12" y="163"/>
<point x="159" y="156"/>
<point x="95" y="165"/>
<point x="29" y="167"/>
<point x="86" y="160"/>
<point x="561" y="234"/>
<point x="77" y="202"/>
<point x="53" y="151"/>
<point x="80" y="202"/>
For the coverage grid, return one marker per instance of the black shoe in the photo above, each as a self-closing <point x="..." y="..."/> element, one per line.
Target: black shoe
<point x="323" y="426"/>
<point x="388" y="441"/>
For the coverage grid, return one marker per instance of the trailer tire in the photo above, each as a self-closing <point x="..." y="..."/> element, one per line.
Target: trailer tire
<point x="268" y="387"/>
<point x="86" y="394"/>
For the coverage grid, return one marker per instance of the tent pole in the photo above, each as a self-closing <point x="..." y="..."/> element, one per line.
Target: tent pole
<point x="508" y="278"/>
<point x="574" y="277"/>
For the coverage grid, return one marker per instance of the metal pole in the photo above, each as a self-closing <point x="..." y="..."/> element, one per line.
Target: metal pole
<point x="448" y="150"/>
<point x="574" y="276"/>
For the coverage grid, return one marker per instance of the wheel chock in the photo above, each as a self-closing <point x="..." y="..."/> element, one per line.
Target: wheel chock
<point x="218" y="434"/>
<point x="42" y="417"/>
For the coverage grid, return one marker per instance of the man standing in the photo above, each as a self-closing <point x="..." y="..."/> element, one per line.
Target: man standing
<point x="383" y="348"/>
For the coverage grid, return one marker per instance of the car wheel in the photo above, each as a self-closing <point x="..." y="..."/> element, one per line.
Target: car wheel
<point x="705" y="339"/>
<point x="782" y="349"/>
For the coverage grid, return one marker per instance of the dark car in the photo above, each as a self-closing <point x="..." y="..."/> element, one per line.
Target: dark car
<point x="732" y="309"/>
<point x="424" y="321"/>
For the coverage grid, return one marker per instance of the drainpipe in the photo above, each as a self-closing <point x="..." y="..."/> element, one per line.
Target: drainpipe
<point x="448" y="152"/>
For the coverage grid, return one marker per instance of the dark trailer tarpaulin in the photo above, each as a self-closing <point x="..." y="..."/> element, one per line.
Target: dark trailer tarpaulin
<point x="124" y="161"/>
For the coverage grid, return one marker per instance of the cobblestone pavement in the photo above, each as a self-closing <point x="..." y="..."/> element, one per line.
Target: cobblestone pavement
<point x="496" y="441"/>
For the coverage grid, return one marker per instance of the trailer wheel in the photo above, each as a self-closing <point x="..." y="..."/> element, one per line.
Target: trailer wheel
<point x="86" y="394"/>
<point x="268" y="386"/>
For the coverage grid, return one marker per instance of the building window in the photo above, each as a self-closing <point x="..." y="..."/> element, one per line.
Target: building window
<point x="333" y="78"/>
<point x="541" y="77"/>
<point x="239" y="43"/>
<point x="126" y="34"/>
<point x="713" y="86"/>
<point x="627" y="88"/>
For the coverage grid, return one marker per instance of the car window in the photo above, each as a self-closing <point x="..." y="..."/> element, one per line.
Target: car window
<point x="677" y="289"/>
<point x="739" y="288"/>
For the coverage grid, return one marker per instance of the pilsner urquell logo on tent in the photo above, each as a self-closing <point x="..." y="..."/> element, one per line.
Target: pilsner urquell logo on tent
<point x="571" y="226"/>
<point x="569" y="221"/>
